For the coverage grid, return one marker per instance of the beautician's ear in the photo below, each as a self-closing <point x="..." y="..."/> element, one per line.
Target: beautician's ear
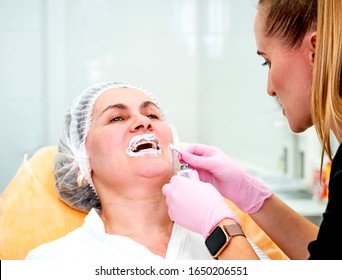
<point x="312" y="46"/>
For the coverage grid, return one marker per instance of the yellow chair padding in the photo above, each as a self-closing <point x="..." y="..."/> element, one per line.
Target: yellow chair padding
<point x="31" y="212"/>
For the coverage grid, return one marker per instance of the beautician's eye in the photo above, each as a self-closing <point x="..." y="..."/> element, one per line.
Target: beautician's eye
<point x="267" y="63"/>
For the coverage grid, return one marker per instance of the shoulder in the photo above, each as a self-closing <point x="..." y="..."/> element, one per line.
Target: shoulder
<point x="63" y="248"/>
<point x="336" y="166"/>
<point x="336" y="172"/>
<point x="74" y="244"/>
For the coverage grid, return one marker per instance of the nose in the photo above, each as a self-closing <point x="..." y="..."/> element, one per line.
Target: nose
<point x="270" y="89"/>
<point x="141" y="123"/>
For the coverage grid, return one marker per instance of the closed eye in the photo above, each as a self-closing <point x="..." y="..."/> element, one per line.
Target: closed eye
<point x="266" y="63"/>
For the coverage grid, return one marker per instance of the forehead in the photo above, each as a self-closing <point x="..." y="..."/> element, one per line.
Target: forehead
<point x="127" y="96"/>
<point x="266" y="45"/>
<point x="259" y="25"/>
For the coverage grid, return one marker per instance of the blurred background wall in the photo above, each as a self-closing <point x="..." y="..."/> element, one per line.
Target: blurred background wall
<point x="197" y="56"/>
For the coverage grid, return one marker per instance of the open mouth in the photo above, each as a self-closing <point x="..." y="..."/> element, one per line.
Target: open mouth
<point x="145" y="144"/>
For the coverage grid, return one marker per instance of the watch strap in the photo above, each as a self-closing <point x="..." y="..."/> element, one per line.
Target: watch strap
<point x="233" y="230"/>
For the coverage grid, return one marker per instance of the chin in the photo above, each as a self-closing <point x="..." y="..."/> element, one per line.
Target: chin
<point x="155" y="169"/>
<point x="299" y="129"/>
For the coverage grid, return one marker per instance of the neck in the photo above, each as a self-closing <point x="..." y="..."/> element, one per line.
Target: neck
<point x="141" y="215"/>
<point x="130" y="215"/>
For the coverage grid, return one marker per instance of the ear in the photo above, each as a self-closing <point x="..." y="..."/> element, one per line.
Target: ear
<point x="312" y="46"/>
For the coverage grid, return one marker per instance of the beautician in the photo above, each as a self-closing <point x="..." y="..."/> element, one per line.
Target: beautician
<point x="301" y="43"/>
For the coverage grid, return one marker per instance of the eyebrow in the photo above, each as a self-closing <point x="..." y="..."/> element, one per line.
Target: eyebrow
<point x="121" y="106"/>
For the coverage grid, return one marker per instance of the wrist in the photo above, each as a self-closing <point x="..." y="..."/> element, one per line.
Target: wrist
<point x="217" y="214"/>
<point x="220" y="238"/>
<point x="257" y="194"/>
<point x="225" y="221"/>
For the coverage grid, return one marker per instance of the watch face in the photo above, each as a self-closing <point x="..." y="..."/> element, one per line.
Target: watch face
<point x="216" y="240"/>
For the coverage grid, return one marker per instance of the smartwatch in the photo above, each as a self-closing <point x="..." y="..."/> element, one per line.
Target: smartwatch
<point x="220" y="238"/>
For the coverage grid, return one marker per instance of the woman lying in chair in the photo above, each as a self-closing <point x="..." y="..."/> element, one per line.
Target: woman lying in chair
<point x="113" y="159"/>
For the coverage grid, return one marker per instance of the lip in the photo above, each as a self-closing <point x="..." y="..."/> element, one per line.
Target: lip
<point x="282" y="108"/>
<point x="143" y="144"/>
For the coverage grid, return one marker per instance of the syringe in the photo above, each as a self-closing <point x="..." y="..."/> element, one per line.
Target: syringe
<point x="185" y="170"/>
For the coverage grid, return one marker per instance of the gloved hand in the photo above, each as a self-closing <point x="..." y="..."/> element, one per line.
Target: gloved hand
<point x="195" y="205"/>
<point x="230" y="179"/>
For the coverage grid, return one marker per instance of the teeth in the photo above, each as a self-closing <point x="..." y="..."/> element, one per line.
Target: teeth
<point x="144" y="142"/>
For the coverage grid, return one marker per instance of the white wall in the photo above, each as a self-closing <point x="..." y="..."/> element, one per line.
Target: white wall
<point x="21" y="79"/>
<point x="198" y="57"/>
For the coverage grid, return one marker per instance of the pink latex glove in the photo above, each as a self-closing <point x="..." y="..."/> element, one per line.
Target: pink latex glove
<point x="196" y="205"/>
<point x="230" y="179"/>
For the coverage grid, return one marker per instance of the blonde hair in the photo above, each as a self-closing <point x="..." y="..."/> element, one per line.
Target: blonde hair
<point x="290" y="21"/>
<point x="326" y="105"/>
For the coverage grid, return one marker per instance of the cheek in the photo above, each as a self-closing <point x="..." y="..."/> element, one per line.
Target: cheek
<point x="279" y="76"/>
<point x="167" y="136"/>
<point x="101" y="146"/>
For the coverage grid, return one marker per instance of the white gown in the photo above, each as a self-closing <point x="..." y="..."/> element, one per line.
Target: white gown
<point x="90" y="241"/>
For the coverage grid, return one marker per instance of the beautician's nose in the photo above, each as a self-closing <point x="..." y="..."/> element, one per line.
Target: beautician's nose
<point x="141" y="122"/>
<point x="270" y="89"/>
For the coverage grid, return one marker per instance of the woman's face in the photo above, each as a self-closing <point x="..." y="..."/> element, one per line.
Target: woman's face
<point x="128" y="139"/>
<point x="289" y="74"/>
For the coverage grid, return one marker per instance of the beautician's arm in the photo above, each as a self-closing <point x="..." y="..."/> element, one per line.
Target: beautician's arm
<point x="288" y="229"/>
<point x="239" y="247"/>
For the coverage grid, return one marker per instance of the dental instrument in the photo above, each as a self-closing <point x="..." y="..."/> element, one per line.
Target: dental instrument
<point x="185" y="170"/>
